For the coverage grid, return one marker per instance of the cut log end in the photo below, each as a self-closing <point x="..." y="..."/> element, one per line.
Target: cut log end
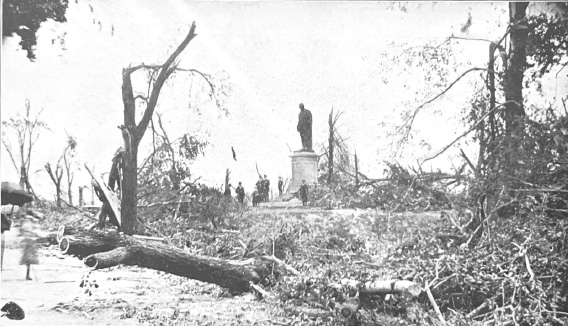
<point x="60" y="233"/>
<point x="91" y="262"/>
<point x="391" y="286"/>
<point x="63" y="244"/>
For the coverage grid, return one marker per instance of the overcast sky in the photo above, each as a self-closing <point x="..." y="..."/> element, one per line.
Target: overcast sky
<point x="274" y="55"/>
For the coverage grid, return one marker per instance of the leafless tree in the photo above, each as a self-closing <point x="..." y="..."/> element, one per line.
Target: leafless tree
<point x="68" y="155"/>
<point x="27" y="130"/>
<point x="56" y="175"/>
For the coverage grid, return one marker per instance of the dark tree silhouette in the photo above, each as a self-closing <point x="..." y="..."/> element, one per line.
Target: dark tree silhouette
<point x="24" y="18"/>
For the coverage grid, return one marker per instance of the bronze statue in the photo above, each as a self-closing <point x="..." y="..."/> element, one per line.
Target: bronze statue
<point x="305" y="128"/>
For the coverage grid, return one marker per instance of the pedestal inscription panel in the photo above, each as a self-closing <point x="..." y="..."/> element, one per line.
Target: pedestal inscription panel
<point x="304" y="167"/>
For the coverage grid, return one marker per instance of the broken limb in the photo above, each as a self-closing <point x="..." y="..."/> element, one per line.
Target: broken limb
<point x="473" y="127"/>
<point x="408" y="123"/>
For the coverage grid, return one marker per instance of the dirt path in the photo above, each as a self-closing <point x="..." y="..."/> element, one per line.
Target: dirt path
<point x="54" y="280"/>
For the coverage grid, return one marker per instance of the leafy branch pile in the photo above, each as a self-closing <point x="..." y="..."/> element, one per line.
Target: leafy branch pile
<point x="401" y="190"/>
<point x="515" y="273"/>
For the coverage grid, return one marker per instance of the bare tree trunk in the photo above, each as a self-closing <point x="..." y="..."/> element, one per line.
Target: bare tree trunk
<point x="330" y="150"/>
<point x="516" y="65"/>
<point x="56" y="179"/>
<point x="70" y="195"/>
<point x="69" y="178"/>
<point x="514" y="109"/>
<point x="81" y="200"/>
<point x="23" y="178"/>
<point x="132" y="133"/>
<point x="58" y="190"/>
<point x="129" y="189"/>
<point x="356" y="171"/>
<point x="25" y="181"/>
<point x="483" y="138"/>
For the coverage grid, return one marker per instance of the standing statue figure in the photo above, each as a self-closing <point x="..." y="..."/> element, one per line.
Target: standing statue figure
<point x="305" y="128"/>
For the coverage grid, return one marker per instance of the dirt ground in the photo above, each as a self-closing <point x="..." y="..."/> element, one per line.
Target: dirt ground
<point x="54" y="296"/>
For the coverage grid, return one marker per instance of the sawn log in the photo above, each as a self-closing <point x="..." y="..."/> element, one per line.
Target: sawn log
<point x="104" y="250"/>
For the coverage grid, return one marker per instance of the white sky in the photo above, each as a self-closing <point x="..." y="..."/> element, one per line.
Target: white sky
<point x="276" y="55"/>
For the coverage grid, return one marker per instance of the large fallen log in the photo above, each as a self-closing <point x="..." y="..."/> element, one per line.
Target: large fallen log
<point x="104" y="250"/>
<point x="85" y="244"/>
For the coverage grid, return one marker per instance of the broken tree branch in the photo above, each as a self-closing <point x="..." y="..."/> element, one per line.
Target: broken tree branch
<point x="434" y="305"/>
<point x="411" y="119"/>
<point x="473" y="127"/>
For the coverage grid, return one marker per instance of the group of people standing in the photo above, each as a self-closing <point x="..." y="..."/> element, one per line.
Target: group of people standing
<point x="261" y="191"/>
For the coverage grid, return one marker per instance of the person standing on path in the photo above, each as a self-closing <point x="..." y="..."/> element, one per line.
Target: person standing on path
<point x="240" y="193"/>
<point x="280" y="186"/>
<point x="266" y="188"/>
<point x="260" y="187"/>
<point x="6" y="224"/>
<point x="304" y="193"/>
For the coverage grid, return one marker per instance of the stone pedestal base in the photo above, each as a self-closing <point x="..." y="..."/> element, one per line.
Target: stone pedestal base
<point x="304" y="167"/>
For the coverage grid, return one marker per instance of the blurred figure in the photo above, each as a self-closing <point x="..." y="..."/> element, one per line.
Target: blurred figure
<point x="6" y="224"/>
<point x="304" y="193"/>
<point x="280" y="186"/>
<point x="29" y="245"/>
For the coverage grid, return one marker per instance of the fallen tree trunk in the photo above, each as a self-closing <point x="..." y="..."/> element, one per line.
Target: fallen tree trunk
<point x="85" y="244"/>
<point x="385" y="286"/>
<point x="65" y="230"/>
<point x="107" y="250"/>
<point x="390" y="286"/>
<point x="48" y="240"/>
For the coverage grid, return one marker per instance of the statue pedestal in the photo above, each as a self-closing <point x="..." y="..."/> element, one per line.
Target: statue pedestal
<point x="304" y="167"/>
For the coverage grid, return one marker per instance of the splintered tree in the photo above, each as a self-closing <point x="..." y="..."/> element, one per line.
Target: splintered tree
<point x="133" y="131"/>
<point x="336" y="151"/>
<point x="56" y="175"/>
<point x="26" y="129"/>
<point x="68" y="155"/>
